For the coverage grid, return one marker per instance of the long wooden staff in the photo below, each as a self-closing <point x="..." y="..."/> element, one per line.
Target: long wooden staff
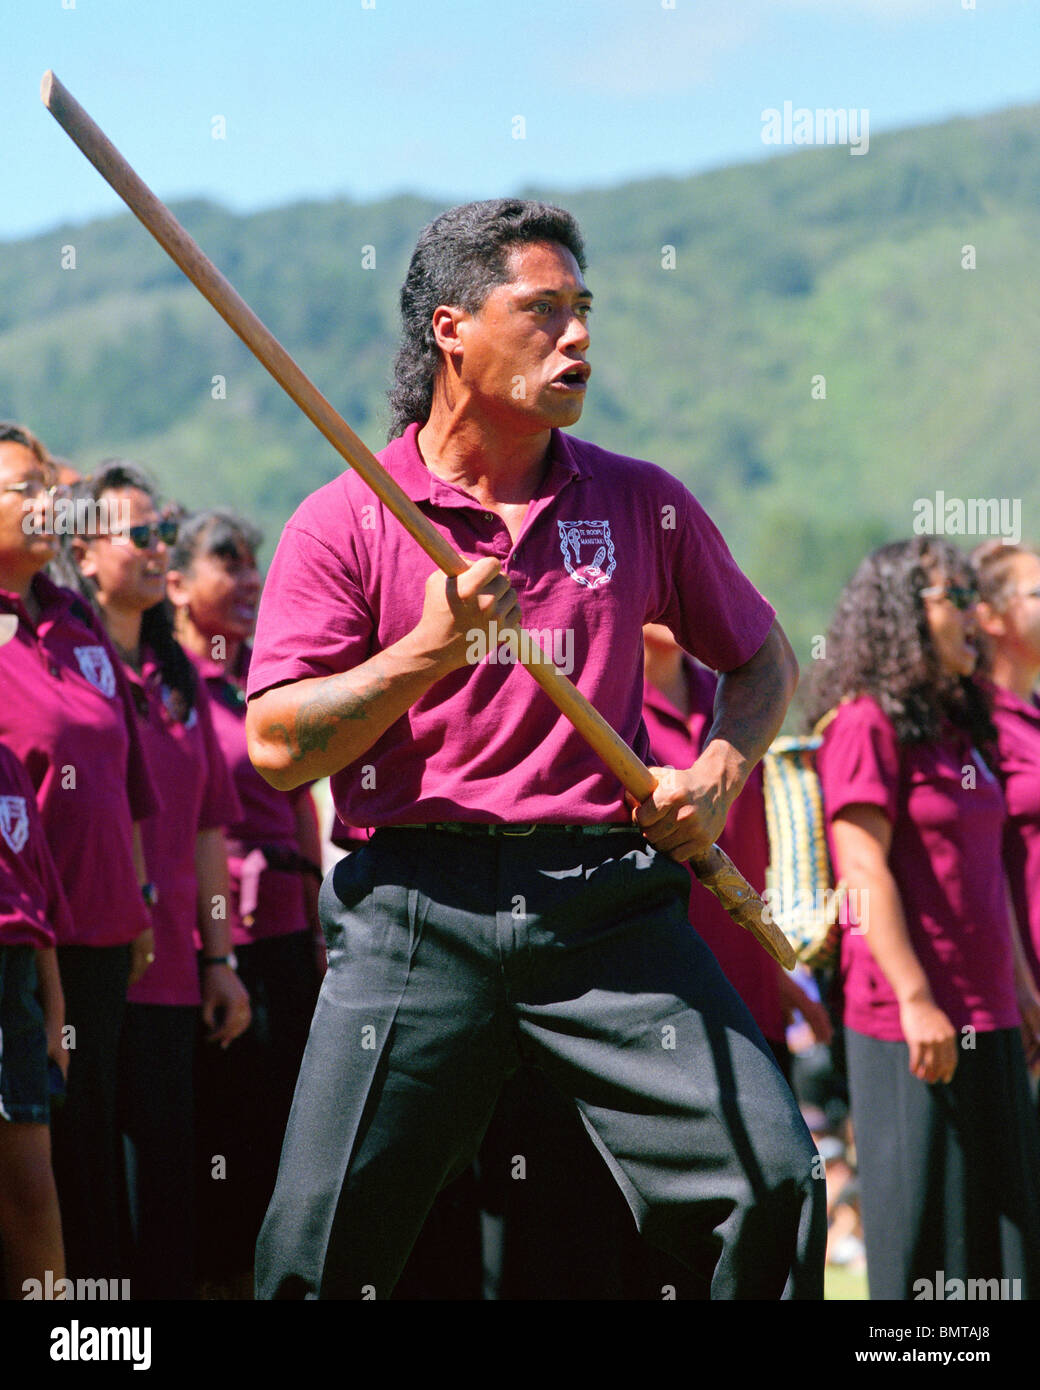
<point x="714" y="869"/>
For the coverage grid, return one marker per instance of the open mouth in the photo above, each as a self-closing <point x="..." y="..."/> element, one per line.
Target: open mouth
<point x="576" y="378"/>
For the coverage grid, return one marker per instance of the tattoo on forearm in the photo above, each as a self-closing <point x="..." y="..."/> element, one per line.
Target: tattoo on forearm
<point x="320" y="715"/>
<point x="751" y="713"/>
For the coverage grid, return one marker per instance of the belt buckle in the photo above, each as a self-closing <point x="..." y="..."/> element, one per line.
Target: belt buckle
<point x="519" y="834"/>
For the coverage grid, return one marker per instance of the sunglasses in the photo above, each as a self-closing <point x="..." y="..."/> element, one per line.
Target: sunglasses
<point x="962" y="598"/>
<point x="141" y="537"/>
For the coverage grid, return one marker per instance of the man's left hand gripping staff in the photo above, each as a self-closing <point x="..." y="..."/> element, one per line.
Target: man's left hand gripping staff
<point x="687" y="810"/>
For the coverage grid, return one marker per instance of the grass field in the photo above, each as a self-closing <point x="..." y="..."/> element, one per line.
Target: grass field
<point x="844" y="1284"/>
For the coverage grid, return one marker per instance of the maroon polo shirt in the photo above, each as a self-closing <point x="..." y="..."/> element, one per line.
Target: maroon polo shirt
<point x="268" y="816"/>
<point x="66" y="710"/>
<point x="1018" y="744"/>
<point x="608" y="544"/>
<point x="197" y="794"/>
<point x="947" y="815"/>
<point x="32" y="905"/>
<point x="677" y="742"/>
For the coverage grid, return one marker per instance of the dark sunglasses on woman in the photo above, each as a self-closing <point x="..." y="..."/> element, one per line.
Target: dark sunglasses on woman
<point x="141" y="537"/>
<point x="961" y="597"/>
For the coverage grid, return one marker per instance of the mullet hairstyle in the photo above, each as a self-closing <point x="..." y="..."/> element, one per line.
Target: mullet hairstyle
<point x="116" y="475"/>
<point x="458" y="260"/>
<point x="879" y="644"/>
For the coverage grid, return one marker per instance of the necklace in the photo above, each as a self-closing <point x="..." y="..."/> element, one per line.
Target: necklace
<point x="234" y="695"/>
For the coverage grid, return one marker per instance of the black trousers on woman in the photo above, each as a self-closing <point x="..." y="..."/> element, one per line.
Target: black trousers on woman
<point x="949" y="1175"/>
<point x="156" y="1116"/>
<point x="243" y="1095"/>
<point x="87" y="1164"/>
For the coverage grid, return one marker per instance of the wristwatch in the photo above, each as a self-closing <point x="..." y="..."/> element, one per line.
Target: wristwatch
<point x="230" y="959"/>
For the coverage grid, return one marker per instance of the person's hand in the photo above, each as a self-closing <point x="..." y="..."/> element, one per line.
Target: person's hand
<point x="142" y="954"/>
<point x="1029" y="1007"/>
<point x="932" y="1040"/>
<point x="685" y="813"/>
<point x="458" y="613"/>
<point x="794" y="999"/>
<point x="225" y="1004"/>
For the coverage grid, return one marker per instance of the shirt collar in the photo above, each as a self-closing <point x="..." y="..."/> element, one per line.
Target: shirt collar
<point x="403" y="460"/>
<point x="150" y="673"/>
<point x="51" y="597"/>
<point x="1008" y="700"/>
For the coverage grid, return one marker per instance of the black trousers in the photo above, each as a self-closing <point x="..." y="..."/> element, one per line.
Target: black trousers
<point x="243" y="1095"/>
<point x="949" y="1175"/>
<point x="453" y="957"/>
<point x="564" y="1230"/>
<point x="156" y="1116"/>
<point x="87" y="1163"/>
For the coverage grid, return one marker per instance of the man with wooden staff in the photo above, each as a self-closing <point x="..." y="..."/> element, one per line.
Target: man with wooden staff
<point x="506" y="904"/>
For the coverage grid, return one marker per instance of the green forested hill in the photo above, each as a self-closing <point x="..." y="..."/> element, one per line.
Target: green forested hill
<point x="817" y="263"/>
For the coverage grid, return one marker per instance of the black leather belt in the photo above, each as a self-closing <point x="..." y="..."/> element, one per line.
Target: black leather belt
<point x="498" y="828"/>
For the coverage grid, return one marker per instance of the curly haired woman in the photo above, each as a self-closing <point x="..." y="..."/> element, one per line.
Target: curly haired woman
<point x="935" y="985"/>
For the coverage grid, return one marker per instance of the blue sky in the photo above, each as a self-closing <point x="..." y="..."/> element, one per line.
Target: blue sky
<point x="324" y="98"/>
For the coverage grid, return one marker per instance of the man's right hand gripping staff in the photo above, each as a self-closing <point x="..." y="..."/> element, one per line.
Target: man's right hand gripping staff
<point x="312" y="728"/>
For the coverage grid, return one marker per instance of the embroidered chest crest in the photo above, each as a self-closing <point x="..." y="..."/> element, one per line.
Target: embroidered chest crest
<point x="588" y="552"/>
<point x="97" y="668"/>
<point x="14" y="822"/>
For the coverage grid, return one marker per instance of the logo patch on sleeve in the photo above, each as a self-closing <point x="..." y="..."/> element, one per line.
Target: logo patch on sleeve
<point x="588" y="552"/>
<point x="96" y="667"/>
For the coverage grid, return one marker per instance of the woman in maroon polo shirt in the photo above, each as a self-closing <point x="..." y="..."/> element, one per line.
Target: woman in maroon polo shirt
<point x="1008" y="615"/>
<point x="67" y="712"/>
<point x="32" y="1016"/>
<point x="122" y="572"/>
<point x="274" y="858"/>
<point x="949" y="1153"/>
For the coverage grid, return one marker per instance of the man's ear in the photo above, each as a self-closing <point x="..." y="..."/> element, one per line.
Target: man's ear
<point x="445" y="324"/>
